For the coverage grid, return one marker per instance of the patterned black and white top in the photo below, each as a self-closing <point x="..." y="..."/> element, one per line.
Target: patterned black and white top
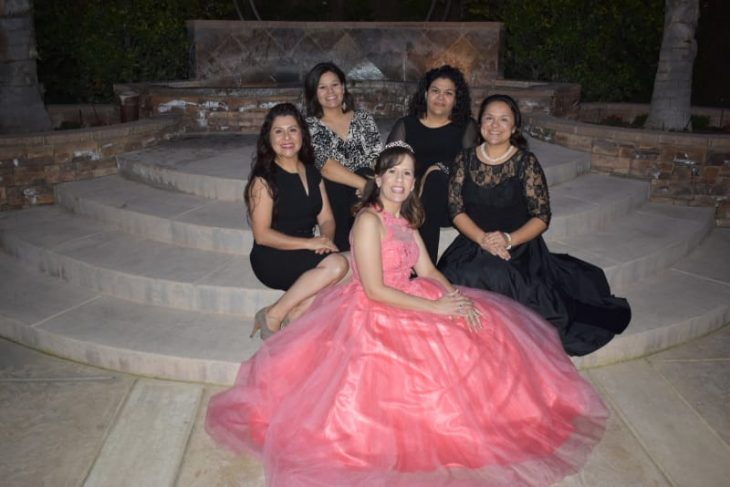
<point x="359" y="150"/>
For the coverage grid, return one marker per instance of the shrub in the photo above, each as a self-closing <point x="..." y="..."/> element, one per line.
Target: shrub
<point x="610" y="48"/>
<point x="85" y="46"/>
<point x="700" y="122"/>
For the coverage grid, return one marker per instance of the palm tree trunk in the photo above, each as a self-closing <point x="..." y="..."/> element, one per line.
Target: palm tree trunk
<point x="21" y="104"/>
<point x="672" y="96"/>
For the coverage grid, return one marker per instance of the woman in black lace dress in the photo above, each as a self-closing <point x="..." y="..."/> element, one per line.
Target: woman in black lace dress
<point x="438" y="127"/>
<point x="499" y="201"/>
<point x="346" y="142"/>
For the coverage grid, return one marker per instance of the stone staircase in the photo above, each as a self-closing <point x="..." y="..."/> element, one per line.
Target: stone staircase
<point x="147" y="272"/>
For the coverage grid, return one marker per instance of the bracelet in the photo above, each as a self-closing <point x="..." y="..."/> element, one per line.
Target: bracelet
<point x="509" y="240"/>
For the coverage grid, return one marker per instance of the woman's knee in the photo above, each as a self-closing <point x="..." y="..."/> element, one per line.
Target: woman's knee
<point x="336" y="266"/>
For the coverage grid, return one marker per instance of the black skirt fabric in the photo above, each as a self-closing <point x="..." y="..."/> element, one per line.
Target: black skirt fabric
<point x="571" y="294"/>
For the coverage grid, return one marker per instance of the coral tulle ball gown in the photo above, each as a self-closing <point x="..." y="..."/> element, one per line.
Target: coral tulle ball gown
<point x="358" y="393"/>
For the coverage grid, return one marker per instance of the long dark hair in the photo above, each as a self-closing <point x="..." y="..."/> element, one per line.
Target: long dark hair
<point x="516" y="139"/>
<point x="311" y="82"/>
<point x="412" y="209"/>
<point x="263" y="165"/>
<point x="461" y="113"/>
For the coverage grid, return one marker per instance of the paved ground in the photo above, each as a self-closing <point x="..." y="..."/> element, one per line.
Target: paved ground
<point x="65" y="424"/>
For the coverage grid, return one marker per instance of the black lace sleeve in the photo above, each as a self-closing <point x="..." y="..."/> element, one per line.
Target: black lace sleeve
<point x="398" y="132"/>
<point x="536" y="189"/>
<point x="456" y="182"/>
<point x="471" y="135"/>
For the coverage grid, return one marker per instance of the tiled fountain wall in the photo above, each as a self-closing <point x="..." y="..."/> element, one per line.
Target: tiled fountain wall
<point x="242" y="53"/>
<point x="244" y="68"/>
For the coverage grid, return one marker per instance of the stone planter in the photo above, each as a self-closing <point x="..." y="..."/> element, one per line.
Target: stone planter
<point x="684" y="168"/>
<point x="31" y="165"/>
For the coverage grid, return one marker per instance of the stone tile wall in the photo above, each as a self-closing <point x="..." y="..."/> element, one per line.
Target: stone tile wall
<point x="243" y="68"/>
<point x="240" y="53"/>
<point x="683" y="168"/>
<point x="31" y="165"/>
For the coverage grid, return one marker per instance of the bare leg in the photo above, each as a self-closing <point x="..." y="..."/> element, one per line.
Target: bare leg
<point x="300" y="308"/>
<point x="304" y="305"/>
<point x="301" y="293"/>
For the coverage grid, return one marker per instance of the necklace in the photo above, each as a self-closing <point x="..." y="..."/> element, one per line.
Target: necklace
<point x="498" y="160"/>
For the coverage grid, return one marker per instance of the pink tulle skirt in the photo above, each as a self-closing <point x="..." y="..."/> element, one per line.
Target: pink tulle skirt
<point x="358" y="393"/>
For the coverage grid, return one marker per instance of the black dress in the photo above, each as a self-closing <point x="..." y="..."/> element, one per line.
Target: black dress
<point x="438" y="146"/>
<point x="571" y="294"/>
<point x="295" y="214"/>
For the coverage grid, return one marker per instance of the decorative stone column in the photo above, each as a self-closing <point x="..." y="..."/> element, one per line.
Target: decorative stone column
<point x="21" y="103"/>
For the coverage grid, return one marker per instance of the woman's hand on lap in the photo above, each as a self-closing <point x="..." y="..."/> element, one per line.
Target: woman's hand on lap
<point x="322" y="245"/>
<point x="454" y="303"/>
<point x="495" y="244"/>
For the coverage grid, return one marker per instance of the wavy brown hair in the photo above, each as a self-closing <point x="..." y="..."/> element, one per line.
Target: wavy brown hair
<point x="412" y="209"/>
<point x="263" y="165"/>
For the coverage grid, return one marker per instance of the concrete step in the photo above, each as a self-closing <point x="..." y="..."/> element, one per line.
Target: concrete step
<point x="165" y="216"/>
<point x="213" y="167"/>
<point x="81" y="324"/>
<point x="217" y="167"/>
<point x="641" y="244"/>
<point x="688" y="300"/>
<point x="100" y="257"/>
<point x="587" y="203"/>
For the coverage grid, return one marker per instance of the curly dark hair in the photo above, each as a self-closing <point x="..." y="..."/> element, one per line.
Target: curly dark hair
<point x="412" y="209"/>
<point x="263" y="165"/>
<point x="516" y="139"/>
<point x="461" y="113"/>
<point x="311" y="82"/>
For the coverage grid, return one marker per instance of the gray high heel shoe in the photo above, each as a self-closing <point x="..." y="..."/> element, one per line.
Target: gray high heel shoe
<point x="261" y="325"/>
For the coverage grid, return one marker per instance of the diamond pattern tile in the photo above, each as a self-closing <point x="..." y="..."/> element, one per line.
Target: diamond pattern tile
<point x="265" y="51"/>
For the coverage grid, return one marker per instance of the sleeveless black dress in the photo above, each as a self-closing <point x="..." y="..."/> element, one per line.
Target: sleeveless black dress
<point x="295" y="214"/>
<point x="571" y="294"/>
<point x="434" y="146"/>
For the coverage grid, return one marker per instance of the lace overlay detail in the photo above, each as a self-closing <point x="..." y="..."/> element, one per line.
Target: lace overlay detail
<point x="523" y="165"/>
<point x="398" y="251"/>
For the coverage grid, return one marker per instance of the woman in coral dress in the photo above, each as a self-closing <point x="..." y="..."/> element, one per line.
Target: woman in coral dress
<point x="392" y="381"/>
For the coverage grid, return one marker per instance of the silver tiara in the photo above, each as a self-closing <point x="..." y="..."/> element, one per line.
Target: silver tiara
<point x="398" y="143"/>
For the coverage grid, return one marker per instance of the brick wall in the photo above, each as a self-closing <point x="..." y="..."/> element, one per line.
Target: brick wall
<point x="683" y="168"/>
<point x="596" y="112"/>
<point x="207" y="107"/>
<point x="31" y="165"/>
<point x="83" y="115"/>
